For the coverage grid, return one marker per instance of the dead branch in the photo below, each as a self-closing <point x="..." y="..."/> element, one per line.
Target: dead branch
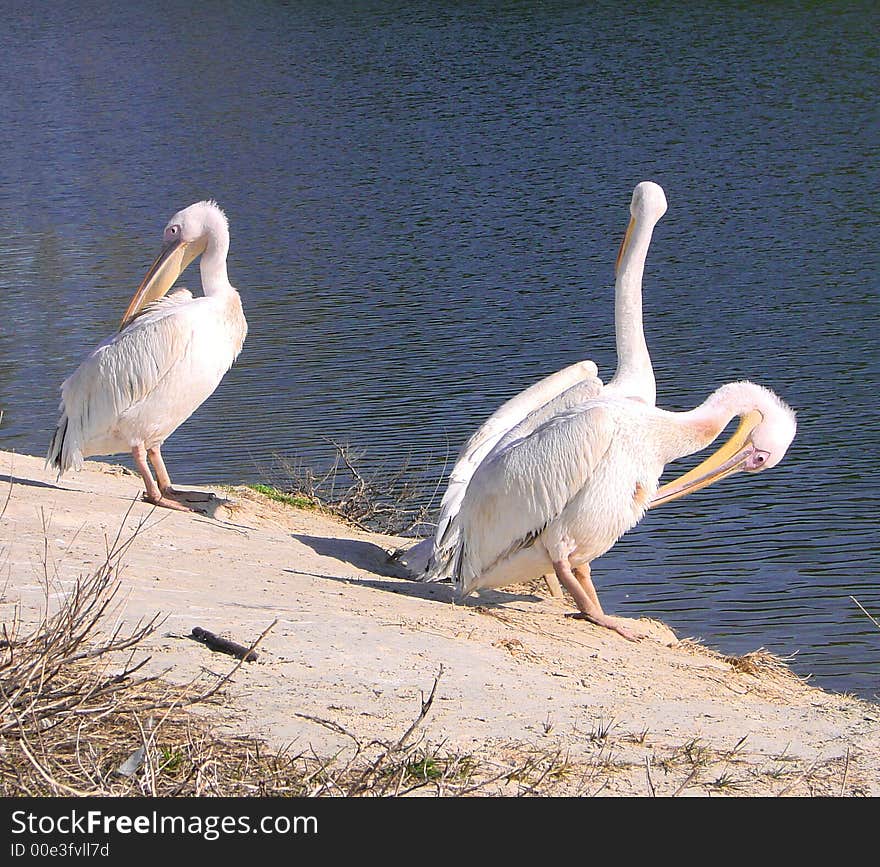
<point x="383" y="500"/>
<point x="222" y="645"/>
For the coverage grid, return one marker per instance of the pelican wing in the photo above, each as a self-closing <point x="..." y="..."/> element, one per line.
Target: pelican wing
<point x="576" y="396"/>
<point x="525" y="409"/>
<point x="513" y="411"/>
<point x="117" y="376"/>
<point x="521" y="487"/>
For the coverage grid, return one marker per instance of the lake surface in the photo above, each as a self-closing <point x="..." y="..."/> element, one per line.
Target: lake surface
<point x="426" y="202"/>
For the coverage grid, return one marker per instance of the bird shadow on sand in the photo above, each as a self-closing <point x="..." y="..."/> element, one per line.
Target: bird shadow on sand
<point x="374" y="558"/>
<point x="356" y="552"/>
<point x="201" y="502"/>
<point x="205" y="503"/>
<point x="16" y="480"/>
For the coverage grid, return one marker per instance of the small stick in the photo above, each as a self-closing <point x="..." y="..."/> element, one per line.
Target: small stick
<point x="223" y="645"/>
<point x="845" y="773"/>
<point x="650" y="781"/>
<point x="426" y="706"/>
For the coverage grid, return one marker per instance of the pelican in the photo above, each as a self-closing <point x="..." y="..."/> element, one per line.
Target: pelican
<point x="571" y="386"/>
<point x="170" y="353"/>
<point x="560" y="496"/>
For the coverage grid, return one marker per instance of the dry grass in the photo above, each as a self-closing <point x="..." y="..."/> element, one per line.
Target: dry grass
<point x="78" y="717"/>
<point x="381" y="500"/>
<point x="73" y="704"/>
<point x="759" y="662"/>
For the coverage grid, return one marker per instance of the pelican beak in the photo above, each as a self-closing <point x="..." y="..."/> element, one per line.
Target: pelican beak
<point x="623" y="243"/>
<point x="729" y="459"/>
<point x="171" y="262"/>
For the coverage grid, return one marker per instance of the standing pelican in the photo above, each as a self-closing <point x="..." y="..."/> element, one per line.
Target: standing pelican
<point x="560" y="391"/>
<point x="562" y="495"/>
<point x="139" y="386"/>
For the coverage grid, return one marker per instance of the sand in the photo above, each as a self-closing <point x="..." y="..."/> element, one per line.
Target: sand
<point x="358" y="645"/>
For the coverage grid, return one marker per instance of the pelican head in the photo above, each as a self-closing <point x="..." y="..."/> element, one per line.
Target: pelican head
<point x="186" y="237"/>
<point x="648" y="204"/>
<point x="766" y="429"/>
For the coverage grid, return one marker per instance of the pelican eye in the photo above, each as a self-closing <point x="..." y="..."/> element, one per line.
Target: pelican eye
<point x="757" y="460"/>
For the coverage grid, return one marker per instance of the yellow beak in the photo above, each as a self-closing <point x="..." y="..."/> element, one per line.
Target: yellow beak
<point x="171" y="262"/>
<point x="729" y="459"/>
<point x="623" y="243"/>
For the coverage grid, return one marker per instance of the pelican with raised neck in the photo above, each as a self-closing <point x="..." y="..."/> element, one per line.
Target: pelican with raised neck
<point x="560" y="391"/>
<point x="559" y="489"/>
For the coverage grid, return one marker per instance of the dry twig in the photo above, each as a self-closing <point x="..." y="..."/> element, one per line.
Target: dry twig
<point x="382" y="501"/>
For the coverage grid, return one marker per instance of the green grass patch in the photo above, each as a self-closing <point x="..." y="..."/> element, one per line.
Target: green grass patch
<point x="172" y="759"/>
<point x="300" y="501"/>
<point x="426" y="768"/>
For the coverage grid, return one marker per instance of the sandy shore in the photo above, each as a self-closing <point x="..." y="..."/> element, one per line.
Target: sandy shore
<point x="356" y="645"/>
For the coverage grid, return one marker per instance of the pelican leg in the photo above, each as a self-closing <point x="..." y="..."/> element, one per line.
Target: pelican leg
<point x="162" y="477"/>
<point x="164" y="480"/>
<point x="587" y="603"/>
<point x="582" y="573"/>
<point x="153" y="494"/>
<point x="552" y="583"/>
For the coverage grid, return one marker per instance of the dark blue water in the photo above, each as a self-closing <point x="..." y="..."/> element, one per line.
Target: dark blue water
<point x="425" y="206"/>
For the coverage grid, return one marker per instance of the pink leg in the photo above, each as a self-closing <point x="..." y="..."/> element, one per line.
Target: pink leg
<point x="587" y="602"/>
<point x="153" y="494"/>
<point x="164" y="479"/>
<point x="582" y="573"/>
<point x="162" y="476"/>
<point x="552" y="583"/>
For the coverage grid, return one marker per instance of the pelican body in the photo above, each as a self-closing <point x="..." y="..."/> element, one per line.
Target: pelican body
<point x="561" y="391"/>
<point x="558" y="490"/>
<point x="562" y="495"/>
<point x="169" y="355"/>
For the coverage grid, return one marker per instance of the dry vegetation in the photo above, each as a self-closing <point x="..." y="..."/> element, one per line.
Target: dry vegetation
<point x="382" y="500"/>
<point x="77" y="717"/>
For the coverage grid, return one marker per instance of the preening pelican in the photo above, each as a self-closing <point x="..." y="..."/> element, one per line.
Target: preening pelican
<point x="560" y="391"/>
<point x="563" y="494"/>
<point x="170" y="353"/>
